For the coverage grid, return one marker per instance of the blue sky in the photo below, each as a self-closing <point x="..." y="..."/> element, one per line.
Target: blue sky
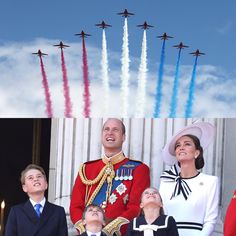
<point x="205" y="24"/>
<point x="208" y="25"/>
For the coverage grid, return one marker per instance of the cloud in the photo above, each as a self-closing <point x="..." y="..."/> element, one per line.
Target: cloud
<point x="225" y="27"/>
<point x="22" y="93"/>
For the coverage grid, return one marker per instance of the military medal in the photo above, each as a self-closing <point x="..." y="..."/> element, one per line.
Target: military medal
<point x="130" y="175"/>
<point x="125" y="176"/>
<point x="117" y="175"/>
<point x="112" y="198"/>
<point x="121" y="188"/>
<point x="122" y="175"/>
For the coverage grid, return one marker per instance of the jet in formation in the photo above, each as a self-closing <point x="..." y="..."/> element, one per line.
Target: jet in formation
<point x="82" y="34"/>
<point x="125" y="13"/>
<point x="164" y="37"/>
<point x="61" y="45"/>
<point x="180" y="46"/>
<point x="197" y="53"/>
<point x="39" y="53"/>
<point x="103" y="25"/>
<point x="145" y="25"/>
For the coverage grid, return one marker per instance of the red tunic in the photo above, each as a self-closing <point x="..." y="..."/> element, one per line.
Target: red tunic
<point x="230" y="218"/>
<point x="126" y="205"/>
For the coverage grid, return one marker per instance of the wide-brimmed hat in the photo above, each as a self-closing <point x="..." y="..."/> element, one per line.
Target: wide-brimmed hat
<point x="204" y="131"/>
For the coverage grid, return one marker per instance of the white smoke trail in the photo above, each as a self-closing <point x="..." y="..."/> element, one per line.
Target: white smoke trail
<point x="104" y="70"/>
<point x="125" y="71"/>
<point x="142" y="77"/>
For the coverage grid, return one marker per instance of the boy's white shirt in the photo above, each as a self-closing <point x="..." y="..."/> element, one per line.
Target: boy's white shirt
<point x="90" y="233"/>
<point x="42" y="203"/>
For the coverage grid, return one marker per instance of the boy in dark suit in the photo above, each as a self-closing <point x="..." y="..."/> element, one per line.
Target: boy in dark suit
<point x="93" y="220"/>
<point x="37" y="216"/>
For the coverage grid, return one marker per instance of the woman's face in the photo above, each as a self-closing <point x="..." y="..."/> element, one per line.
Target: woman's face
<point x="185" y="150"/>
<point x="150" y="196"/>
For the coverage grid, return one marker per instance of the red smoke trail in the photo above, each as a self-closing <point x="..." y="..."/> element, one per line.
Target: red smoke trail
<point x="86" y="83"/>
<point x="68" y="106"/>
<point x="46" y="90"/>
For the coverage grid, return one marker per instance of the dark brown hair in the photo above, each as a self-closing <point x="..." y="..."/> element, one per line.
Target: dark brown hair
<point x="199" y="161"/>
<point x="95" y="206"/>
<point x="31" y="167"/>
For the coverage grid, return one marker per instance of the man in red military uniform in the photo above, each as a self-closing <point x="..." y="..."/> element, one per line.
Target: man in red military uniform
<point x="230" y="218"/>
<point x="114" y="182"/>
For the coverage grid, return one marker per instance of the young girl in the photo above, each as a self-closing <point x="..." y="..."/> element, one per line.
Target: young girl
<point x="152" y="221"/>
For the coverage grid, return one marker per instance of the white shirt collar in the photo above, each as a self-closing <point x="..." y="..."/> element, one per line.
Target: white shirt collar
<point x="90" y="233"/>
<point x="41" y="202"/>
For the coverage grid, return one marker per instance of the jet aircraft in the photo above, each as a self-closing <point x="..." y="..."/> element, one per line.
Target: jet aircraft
<point x="197" y="53"/>
<point x="164" y="36"/>
<point x="61" y="45"/>
<point x="103" y="25"/>
<point x="125" y="13"/>
<point x="180" y="46"/>
<point x="39" y="53"/>
<point x="145" y="25"/>
<point x="83" y="35"/>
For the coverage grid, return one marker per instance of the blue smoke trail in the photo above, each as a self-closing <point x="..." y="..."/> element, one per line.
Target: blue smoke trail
<point x="158" y="98"/>
<point x="174" y="98"/>
<point x="189" y="104"/>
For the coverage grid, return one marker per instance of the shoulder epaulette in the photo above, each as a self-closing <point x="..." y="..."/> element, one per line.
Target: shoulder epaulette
<point x="91" y="161"/>
<point x="135" y="160"/>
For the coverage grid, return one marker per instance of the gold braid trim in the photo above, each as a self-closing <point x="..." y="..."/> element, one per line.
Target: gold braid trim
<point x="106" y="173"/>
<point x="95" y="192"/>
<point x="79" y="225"/>
<point x="84" y="178"/>
<point x="114" y="226"/>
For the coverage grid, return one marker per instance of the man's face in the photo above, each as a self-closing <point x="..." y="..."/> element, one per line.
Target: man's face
<point x="35" y="182"/>
<point x="92" y="215"/>
<point x="112" y="136"/>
